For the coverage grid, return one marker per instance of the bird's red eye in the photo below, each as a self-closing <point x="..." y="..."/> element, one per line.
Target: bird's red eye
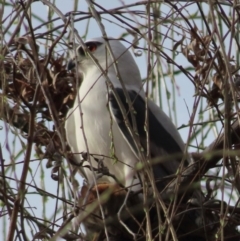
<point x="91" y="46"/>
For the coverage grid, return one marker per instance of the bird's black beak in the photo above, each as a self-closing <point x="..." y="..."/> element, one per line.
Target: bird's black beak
<point x="71" y="64"/>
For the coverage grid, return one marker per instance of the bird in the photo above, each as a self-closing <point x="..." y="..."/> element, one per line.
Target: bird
<point x="102" y="120"/>
<point x="113" y="126"/>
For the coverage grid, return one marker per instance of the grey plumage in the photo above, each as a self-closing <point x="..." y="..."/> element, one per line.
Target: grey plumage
<point x="98" y="121"/>
<point x="104" y="114"/>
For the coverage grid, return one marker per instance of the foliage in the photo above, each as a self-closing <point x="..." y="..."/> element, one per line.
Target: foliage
<point x="191" y="48"/>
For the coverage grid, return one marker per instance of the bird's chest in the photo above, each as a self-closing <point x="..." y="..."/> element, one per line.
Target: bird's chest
<point x="98" y="134"/>
<point x="93" y="122"/>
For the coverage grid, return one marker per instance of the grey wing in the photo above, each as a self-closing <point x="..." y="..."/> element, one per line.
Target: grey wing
<point x="164" y="138"/>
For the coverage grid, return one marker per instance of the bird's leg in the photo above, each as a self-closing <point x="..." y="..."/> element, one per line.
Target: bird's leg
<point x="115" y="188"/>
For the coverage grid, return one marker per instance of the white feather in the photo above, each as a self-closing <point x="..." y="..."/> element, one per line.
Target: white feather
<point x="96" y="116"/>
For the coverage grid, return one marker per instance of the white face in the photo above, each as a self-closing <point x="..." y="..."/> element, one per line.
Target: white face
<point x="83" y="59"/>
<point x="98" y="48"/>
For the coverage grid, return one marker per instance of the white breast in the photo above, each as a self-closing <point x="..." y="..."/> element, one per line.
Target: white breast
<point x="100" y="130"/>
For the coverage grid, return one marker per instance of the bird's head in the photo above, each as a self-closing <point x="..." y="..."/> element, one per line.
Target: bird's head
<point x="99" y="49"/>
